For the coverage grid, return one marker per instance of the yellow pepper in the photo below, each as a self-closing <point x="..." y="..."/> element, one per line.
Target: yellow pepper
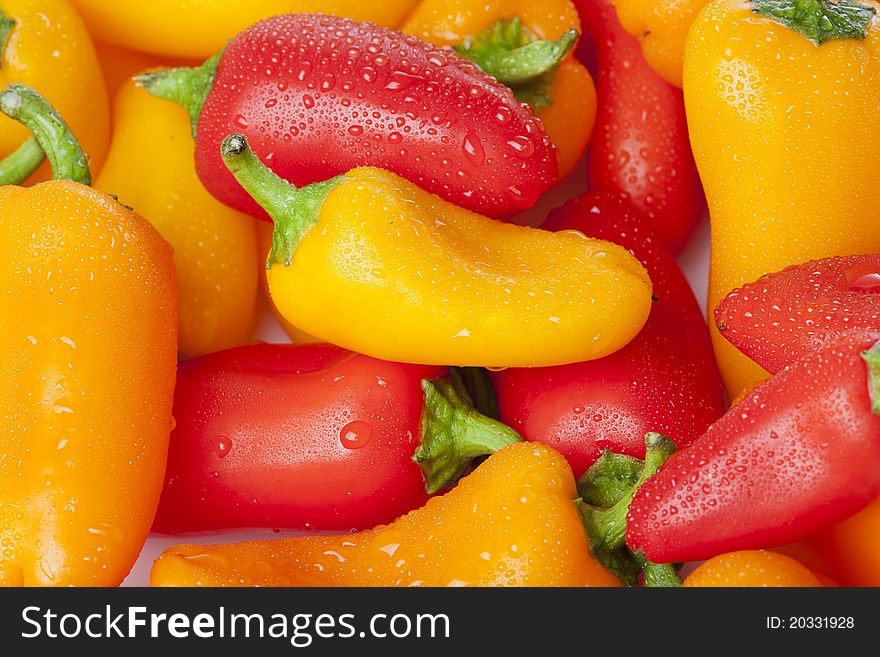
<point x="512" y="522"/>
<point x="197" y="29"/>
<point x="567" y="105"/>
<point x="44" y="44"/>
<point x="370" y="262"/>
<point x="661" y="27"/>
<point x="150" y="167"/>
<point x="88" y="341"/>
<point x="120" y="65"/>
<point x="782" y="110"/>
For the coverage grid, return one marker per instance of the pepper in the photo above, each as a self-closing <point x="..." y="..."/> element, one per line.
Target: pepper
<point x="370" y="262"/>
<point x="44" y="44"/>
<point x="88" y="333"/>
<point x="661" y="26"/>
<point x="779" y="114"/>
<point x="316" y="104"/>
<point x="564" y="98"/>
<point x="751" y="568"/>
<point x="196" y="29"/>
<point x="511" y="522"/>
<point x="640" y="143"/>
<point x="665" y="380"/>
<point x="120" y="65"/>
<point x="214" y="246"/>
<point x="782" y="316"/>
<point x="797" y="455"/>
<point x="314" y="437"/>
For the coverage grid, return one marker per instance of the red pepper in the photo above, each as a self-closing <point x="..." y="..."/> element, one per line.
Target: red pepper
<point x="640" y="142"/>
<point x="313" y="437"/>
<point x="781" y="316"/>
<point x="665" y="380"/>
<point x="317" y="96"/>
<point x="798" y="454"/>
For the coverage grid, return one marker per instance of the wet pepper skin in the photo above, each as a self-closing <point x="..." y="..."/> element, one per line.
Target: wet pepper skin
<point x="317" y="96"/>
<point x="786" y="140"/>
<point x="751" y="568"/>
<point x="196" y="29"/>
<point x="512" y="522"/>
<point x="88" y="342"/>
<point x="150" y="168"/>
<point x="49" y="49"/>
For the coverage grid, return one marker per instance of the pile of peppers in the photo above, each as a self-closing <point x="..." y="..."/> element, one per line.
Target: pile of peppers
<point x="464" y="221"/>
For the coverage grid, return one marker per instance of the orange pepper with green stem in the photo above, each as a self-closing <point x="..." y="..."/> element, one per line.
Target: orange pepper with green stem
<point x="370" y="262"/>
<point x="150" y="168"/>
<point x="88" y="341"/>
<point x="197" y="29"/>
<point x="44" y="44"/>
<point x="511" y="522"/>
<point x="563" y="97"/>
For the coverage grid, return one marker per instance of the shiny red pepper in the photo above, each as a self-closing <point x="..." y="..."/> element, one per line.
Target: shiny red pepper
<point x="317" y="96"/>
<point x="781" y="316"/>
<point x="313" y="437"/>
<point x="798" y="454"/>
<point x="640" y="142"/>
<point x="665" y="380"/>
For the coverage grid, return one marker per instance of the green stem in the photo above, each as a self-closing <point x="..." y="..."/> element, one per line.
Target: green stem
<point x="819" y="20"/>
<point x="7" y="25"/>
<point x="28" y="107"/>
<point x="454" y="433"/>
<point x="187" y="86"/>
<point x="657" y="575"/>
<point x="610" y="480"/>
<point x="872" y="358"/>
<point x="18" y="166"/>
<point x="293" y="210"/>
<point x="479" y="386"/>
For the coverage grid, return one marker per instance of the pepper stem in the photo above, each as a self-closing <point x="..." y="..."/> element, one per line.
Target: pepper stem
<point x="187" y="86"/>
<point x="6" y="26"/>
<point x="512" y="55"/>
<point x="819" y="20"/>
<point x="18" y="166"/>
<point x="872" y="358"/>
<point x="454" y="433"/>
<point x="613" y="479"/>
<point x="29" y="108"/>
<point x="293" y="210"/>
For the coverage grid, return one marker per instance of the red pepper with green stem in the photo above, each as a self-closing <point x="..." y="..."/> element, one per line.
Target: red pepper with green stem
<point x="798" y="454"/>
<point x="315" y="437"/>
<point x="640" y="143"/>
<point x="317" y="96"/>
<point x="665" y="380"/>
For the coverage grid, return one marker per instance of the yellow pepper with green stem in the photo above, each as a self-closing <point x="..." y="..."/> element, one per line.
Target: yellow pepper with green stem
<point x="370" y="262"/>
<point x="782" y="106"/>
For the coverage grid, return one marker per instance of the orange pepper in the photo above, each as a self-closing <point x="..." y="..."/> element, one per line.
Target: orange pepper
<point x="150" y="167"/>
<point x="569" y="117"/>
<point x="88" y="338"/>
<point x="44" y="44"/>
<point x="511" y="522"/>
<point x="120" y="65"/>
<point x="751" y="568"/>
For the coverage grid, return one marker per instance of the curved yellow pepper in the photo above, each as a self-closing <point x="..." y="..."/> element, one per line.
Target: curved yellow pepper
<point x="197" y="29"/>
<point x="787" y="142"/>
<point x="661" y="27"/>
<point x="150" y="168"/>
<point x="372" y="263"/>
<point x="512" y="522"/>
<point x="44" y="44"/>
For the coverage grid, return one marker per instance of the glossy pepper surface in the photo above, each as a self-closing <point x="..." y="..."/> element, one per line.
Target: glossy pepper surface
<point x="777" y="124"/>
<point x="661" y="26"/>
<point x="640" y="142"/>
<point x="564" y="97"/>
<point x="371" y="262"/>
<point x="318" y="96"/>
<point x="511" y="522"/>
<point x="44" y="44"/>
<point x="751" y="568"/>
<point x="214" y="246"/>
<point x="800" y="453"/>
<point x="196" y="29"/>
<point x="665" y="380"/>
<point x="781" y="316"/>
<point x="88" y="333"/>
